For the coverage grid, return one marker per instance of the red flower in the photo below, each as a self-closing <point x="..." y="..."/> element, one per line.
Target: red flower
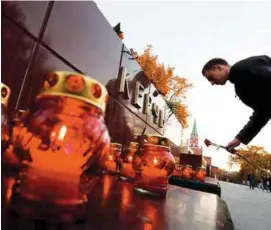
<point x="207" y="142"/>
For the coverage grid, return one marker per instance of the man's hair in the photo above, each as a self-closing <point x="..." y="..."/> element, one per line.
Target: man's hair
<point x="213" y="62"/>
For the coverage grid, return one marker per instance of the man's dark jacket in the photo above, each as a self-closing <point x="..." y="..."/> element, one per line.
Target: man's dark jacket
<point x="252" y="80"/>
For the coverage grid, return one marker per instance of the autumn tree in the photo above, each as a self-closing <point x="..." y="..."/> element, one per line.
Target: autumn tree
<point x="171" y="86"/>
<point x="257" y="155"/>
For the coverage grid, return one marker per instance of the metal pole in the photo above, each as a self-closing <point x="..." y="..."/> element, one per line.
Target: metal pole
<point x="33" y="53"/>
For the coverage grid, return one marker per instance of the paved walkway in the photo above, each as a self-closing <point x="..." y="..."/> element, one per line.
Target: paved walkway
<point x="250" y="209"/>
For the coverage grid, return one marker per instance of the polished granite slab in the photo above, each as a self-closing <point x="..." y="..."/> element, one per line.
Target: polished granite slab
<point x="114" y="204"/>
<point x="210" y="185"/>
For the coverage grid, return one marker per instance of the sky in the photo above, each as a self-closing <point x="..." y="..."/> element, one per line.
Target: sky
<point x="186" y="34"/>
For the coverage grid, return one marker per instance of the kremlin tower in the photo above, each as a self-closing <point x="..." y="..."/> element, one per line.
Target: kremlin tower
<point x="191" y="152"/>
<point x="192" y="145"/>
<point x="194" y="141"/>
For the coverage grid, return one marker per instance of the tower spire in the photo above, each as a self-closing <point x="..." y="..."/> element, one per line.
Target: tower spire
<point x="194" y="140"/>
<point x="194" y="131"/>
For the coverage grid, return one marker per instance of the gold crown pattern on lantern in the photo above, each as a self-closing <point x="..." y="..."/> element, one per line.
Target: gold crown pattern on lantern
<point x="156" y="140"/>
<point x="5" y="94"/>
<point x="133" y="145"/>
<point x="115" y="146"/>
<point x="75" y="85"/>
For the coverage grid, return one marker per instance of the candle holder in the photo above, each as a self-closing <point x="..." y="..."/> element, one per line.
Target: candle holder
<point x="62" y="145"/>
<point x="113" y="161"/>
<point x="187" y="172"/>
<point x="153" y="165"/>
<point x="17" y="154"/>
<point x="127" y="156"/>
<point x="5" y="122"/>
<point x="153" y="139"/>
<point x="200" y="174"/>
<point x="178" y="170"/>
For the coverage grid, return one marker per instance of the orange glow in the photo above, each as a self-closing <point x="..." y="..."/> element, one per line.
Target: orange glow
<point x="155" y="161"/>
<point x="107" y="186"/>
<point x="127" y="171"/>
<point x="130" y="158"/>
<point x="110" y="157"/>
<point x="62" y="132"/>
<point x="154" y="164"/>
<point x="53" y="134"/>
<point x="148" y="226"/>
<point x="200" y="175"/>
<point x="10" y="183"/>
<point x="69" y="143"/>
<point x="125" y="197"/>
<point x="187" y="172"/>
<point x="150" y="217"/>
<point x="60" y="148"/>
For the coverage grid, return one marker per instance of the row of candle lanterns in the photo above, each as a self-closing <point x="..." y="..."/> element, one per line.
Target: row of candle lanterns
<point x="148" y="163"/>
<point x="186" y="172"/>
<point x="65" y="140"/>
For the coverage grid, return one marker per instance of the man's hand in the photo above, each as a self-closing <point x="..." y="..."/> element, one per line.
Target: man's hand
<point x="234" y="143"/>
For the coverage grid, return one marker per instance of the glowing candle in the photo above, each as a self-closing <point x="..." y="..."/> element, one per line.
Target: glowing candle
<point x="62" y="133"/>
<point x="153" y="164"/>
<point x="155" y="161"/>
<point x="130" y="158"/>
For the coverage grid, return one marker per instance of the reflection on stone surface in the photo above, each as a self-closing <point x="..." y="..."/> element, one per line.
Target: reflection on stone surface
<point x="126" y="198"/>
<point x="107" y="186"/>
<point x="16" y="50"/>
<point x="150" y="217"/>
<point x="121" y="208"/>
<point x="39" y="71"/>
<point x="152" y="131"/>
<point x="80" y="33"/>
<point x="128" y="94"/>
<point x="153" y="120"/>
<point x="28" y="14"/>
<point x="123" y="126"/>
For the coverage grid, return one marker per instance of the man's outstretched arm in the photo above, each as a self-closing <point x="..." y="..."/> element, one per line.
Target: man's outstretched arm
<point x="256" y="122"/>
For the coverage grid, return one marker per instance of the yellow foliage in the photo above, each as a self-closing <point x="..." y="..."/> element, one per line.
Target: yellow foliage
<point x="255" y="154"/>
<point x="171" y="86"/>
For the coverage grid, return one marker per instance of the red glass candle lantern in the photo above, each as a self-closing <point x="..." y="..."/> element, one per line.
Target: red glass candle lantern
<point x="63" y="144"/>
<point x="14" y="156"/>
<point x="5" y="125"/>
<point x="113" y="161"/>
<point x="153" y="165"/>
<point x="152" y="139"/>
<point x="187" y="172"/>
<point x="178" y="170"/>
<point x="127" y="157"/>
<point x="200" y="174"/>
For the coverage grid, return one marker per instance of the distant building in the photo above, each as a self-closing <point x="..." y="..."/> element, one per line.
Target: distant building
<point x="208" y="160"/>
<point x="191" y="146"/>
<point x="194" y="141"/>
<point x="215" y="171"/>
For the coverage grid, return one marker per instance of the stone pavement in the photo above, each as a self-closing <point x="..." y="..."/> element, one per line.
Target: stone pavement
<point x="250" y="209"/>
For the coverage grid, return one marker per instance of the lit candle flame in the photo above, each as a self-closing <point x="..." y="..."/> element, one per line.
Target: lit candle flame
<point x="53" y="134"/>
<point x="155" y="161"/>
<point x="62" y="132"/>
<point x="110" y="157"/>
<point x="130" y="158"/>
